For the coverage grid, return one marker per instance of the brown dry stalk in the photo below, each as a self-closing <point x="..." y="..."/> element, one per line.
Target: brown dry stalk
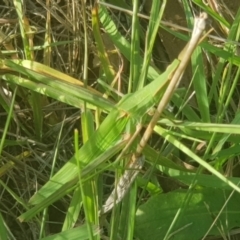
<point x="199" y="27"/>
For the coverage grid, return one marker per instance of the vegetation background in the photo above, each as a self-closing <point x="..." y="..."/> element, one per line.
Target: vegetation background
<point x="79" y="84"/>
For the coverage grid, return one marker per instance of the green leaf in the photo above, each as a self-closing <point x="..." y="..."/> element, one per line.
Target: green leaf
<point x="3" y="230"/>
<point x="154" y="218"/>
<point x="50" y="82"/>
<point x="203" y="180"/>
<point x="75" y="233"/>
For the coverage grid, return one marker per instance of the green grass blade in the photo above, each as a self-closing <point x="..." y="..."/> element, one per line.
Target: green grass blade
<point x="73" y="210"/>
<point x="156" y="14"/>
<point x="130" y="217"/>
<point x="103" y="56"/>
<point x="3" y="230"/>
<point x="10" y="114"/>
<point x="35" y="99"/>
<point x="135" y="50"/>
<point x="119" y="41"/>
<point x="74" y="96"/>
<point x="89" y="188"/>
<point x="200" y="161"/>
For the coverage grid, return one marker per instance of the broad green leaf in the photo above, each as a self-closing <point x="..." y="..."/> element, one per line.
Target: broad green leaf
<point x="73" y="234"/>
<point x="198" y="210"/>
